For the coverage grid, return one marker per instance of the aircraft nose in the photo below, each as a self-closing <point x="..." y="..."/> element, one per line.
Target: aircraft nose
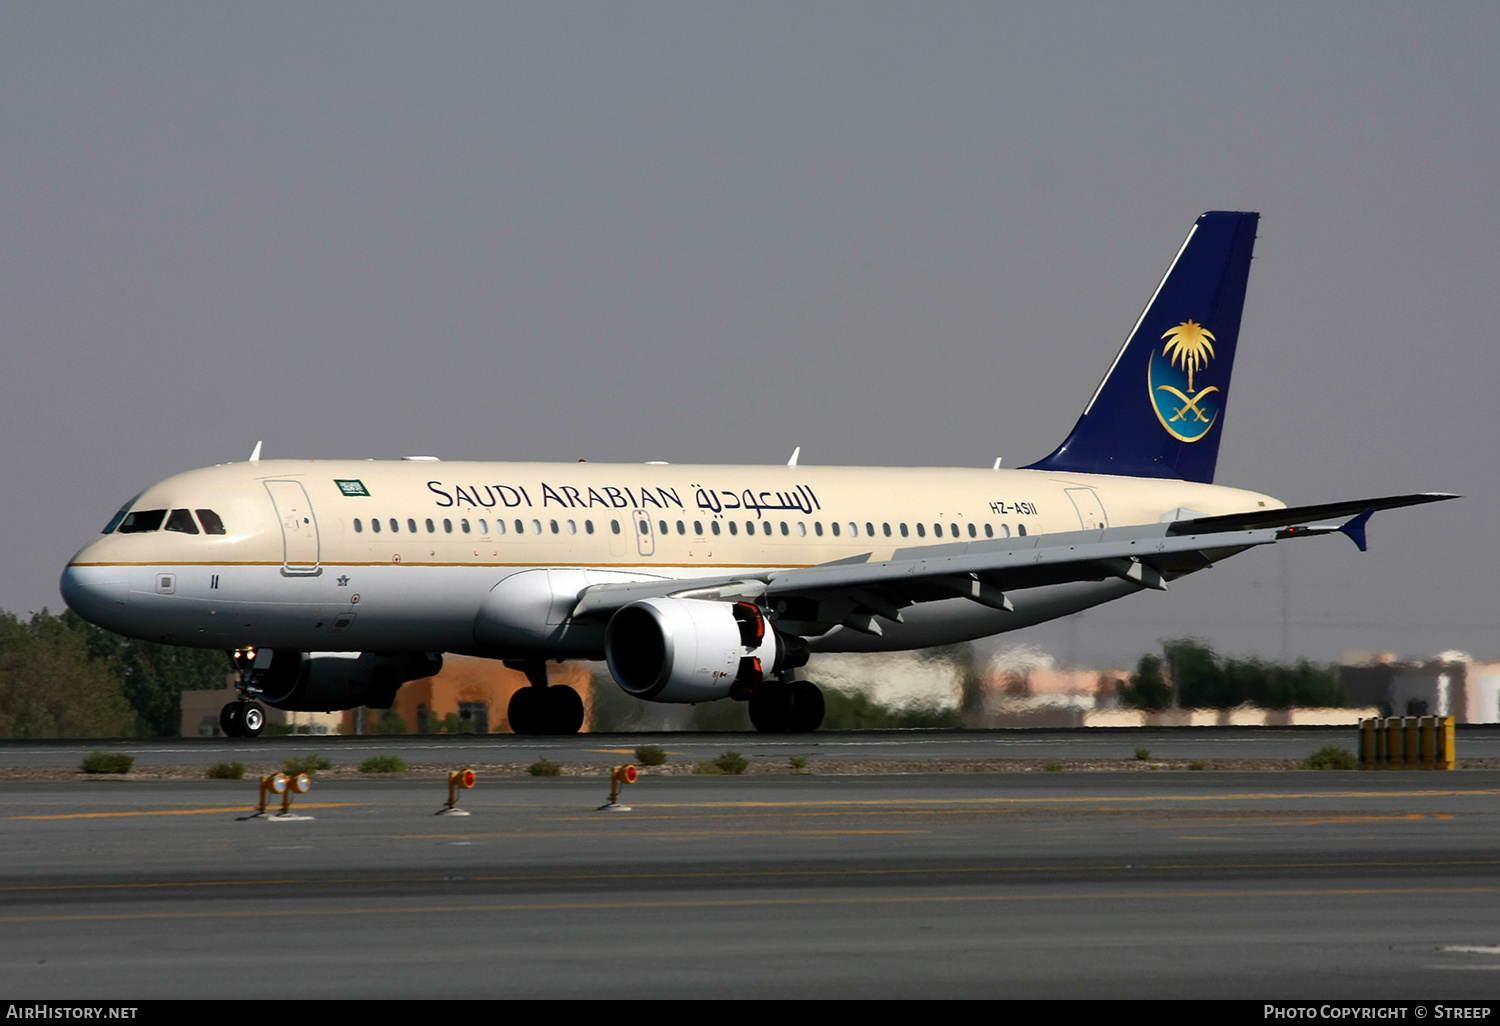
<point x="96" y="593"/>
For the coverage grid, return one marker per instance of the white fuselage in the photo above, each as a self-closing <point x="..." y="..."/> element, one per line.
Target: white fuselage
<point x="405" y="555"/>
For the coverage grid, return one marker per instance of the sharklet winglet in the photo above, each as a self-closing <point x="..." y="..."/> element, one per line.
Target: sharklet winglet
<point x="1355" y="528"/>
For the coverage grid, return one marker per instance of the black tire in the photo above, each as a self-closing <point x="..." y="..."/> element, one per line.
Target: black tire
<point x="229" y="720"/>
<point x="252" y="717"/>
<point x="770" y="707"/>
<point x="523" y="711"/>
<point x="807" y="707"/>
<point x="564" y="710"/>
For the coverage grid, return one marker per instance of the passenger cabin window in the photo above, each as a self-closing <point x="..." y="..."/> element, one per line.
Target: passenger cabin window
<point x="766" y="527"/>
<point x="554" y="526"/>
<point x="499" y="526"/>
<point x="142" y="521"/>
<point x="886" y="529"/>
<point x="989" y="530"/>
<point x="375" y="524"/>
<point x="1021" y="530"/>
<point x="572" y="527"/>
<point x="715" y="525"/>
<point x="921" y="531"/>
<point x="973" y="531"/>
<point x="431" y="527"/>
<point x="818" y="528"/>
<point x="210" y="521"/>
<point x="614" y="526"/>
<point x="411" y="525"/>
<point x="447" y="526"/>
<point x="395" y="526"/>
<point x="801" y="529"/>
<point x="359" y="527"/>
<point x="484" y="526"/>
<point x="734" y="528"/>
<point x="181" y="521"/>
<point x="588" y="527"/>
<point x="904" y="532"/>
<point x="953" y="529"/>
<point x="463" y="525"/>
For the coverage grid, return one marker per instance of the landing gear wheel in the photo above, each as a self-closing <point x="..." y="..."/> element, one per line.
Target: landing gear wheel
<point x="771" y="707"/>
<point x="229" y="720"/>
<point x="523" y="711"/>
<point x="252" y="717"/>
<point x="553" y="710"/>
<point x="564" y="710"/>
<point x="807" y="708"/>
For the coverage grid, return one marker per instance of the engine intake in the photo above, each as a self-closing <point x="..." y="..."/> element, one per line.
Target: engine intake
<point x="694" y="650"/>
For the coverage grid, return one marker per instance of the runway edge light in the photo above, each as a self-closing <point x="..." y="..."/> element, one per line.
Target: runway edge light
<point x="619" y="775"/>
<point x="463" y="778"/>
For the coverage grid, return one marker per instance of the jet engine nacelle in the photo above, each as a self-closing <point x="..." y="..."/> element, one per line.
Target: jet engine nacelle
<point x="694" y="650"/>
<point x="325" y="681"/>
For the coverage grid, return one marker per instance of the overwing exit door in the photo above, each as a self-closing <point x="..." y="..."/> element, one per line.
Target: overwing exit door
<point x="645" y="541"/>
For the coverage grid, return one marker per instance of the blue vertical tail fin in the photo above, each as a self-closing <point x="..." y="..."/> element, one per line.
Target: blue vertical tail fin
<point x="1159" y="411"/>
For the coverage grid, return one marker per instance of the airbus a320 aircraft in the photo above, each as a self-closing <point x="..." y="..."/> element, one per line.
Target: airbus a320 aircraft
<point x="332" y="583"/>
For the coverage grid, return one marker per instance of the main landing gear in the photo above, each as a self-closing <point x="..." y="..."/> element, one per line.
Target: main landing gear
<point x="543" y="709"/>
<point x="787" y="707"/>
<point x="242" y="719"/>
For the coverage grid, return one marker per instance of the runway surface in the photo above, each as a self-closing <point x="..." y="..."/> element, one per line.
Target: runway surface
<point x="1267" y="885"/>
<point x="1474" y="742"/>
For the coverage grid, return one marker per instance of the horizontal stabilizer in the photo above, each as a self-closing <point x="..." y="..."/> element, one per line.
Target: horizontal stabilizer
<point x="1292" y="515"/>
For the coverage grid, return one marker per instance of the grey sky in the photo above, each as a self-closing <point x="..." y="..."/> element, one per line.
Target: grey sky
<point x="910" y="234"/>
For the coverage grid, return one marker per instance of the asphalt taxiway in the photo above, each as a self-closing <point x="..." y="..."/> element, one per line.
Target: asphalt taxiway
<point x="1254" y="885"/>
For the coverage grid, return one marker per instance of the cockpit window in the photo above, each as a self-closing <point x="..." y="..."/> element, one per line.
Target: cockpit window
<point x="115" y="520"/>
<point x="210" y="521"/>
<point x="181" y="520"/>
<point x="142" y="520"/>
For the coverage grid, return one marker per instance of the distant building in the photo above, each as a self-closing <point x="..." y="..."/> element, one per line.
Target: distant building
<point x="1448" y="684"/>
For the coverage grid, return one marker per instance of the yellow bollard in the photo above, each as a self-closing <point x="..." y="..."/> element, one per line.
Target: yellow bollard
<point x="1409" y="752"/>
<point x="1446" y="756"/>
<point x="1368" y="750"/>
<point x="1392" y="742"/>
<point x="1426" y="739"/>
<point x="463" y="778"/>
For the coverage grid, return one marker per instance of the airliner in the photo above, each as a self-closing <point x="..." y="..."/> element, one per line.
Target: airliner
<point x="331" y="583"/>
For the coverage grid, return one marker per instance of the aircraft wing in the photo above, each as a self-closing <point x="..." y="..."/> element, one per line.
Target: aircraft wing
<point x="983" y="571"/>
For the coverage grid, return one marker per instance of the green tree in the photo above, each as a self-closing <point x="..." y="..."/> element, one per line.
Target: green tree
<point x="154" y="675"/>
<point x="389" y="721"/>
<point x="1147" y="688"/>
<point x="50" y="686"/>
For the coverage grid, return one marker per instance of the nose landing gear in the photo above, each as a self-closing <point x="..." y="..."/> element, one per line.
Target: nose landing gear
<point x="245" y="718"/>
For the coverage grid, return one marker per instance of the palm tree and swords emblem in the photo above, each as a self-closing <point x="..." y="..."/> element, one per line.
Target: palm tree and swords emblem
<point x="1185" y="412"/>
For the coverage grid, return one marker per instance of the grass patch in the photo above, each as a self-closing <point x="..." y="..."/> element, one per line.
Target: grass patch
<point x="650" y="755"/>
<point x="1195" y="766"/>
<point x="1331" y="757"/>
<point x="731" y="762"/>
<point x="545" y="768"/>
<point x="383" y="764"/>
<point x="107" y="762"/>
<point x="798" y="763"/>
<point x="226" y="771"/>
<point x="308" y="764"/>
<point x="1143" y="754"/>
<point x="1053" y="767"/>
